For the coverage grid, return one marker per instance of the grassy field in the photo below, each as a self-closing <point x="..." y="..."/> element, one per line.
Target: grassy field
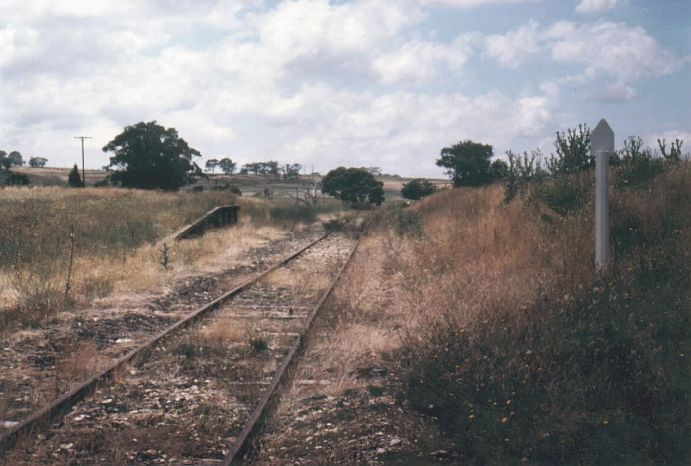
<point x="502" y="331"/>
<point x="106" y="233"/>
<point x="250" y="185"/>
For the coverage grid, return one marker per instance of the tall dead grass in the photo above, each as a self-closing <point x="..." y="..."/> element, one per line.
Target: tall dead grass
<point x="510" y="339"/>
<point x="115" y="234"/>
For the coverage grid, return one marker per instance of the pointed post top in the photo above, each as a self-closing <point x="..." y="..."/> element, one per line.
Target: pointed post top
<point x="602" y="138"/>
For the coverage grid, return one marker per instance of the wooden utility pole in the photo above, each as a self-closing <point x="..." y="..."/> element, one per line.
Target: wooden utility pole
<point x="83" y="173"/>
<point x="602" y="146"/>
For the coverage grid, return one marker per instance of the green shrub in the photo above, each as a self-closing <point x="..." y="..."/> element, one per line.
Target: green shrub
<point x="291" y="214"/>
<point x="638" y="173"/>
<point x="74" y="179"/>
<point x="259" y="344"/>
<point x="17" y="179"/>
<point x="563" y="195"/>
<point x="521" y="170"/>
<point x="417" y="189"/>
<point x="573" y="152"/>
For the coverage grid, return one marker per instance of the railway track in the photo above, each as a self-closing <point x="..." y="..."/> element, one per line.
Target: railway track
<point x="198" y="391"/>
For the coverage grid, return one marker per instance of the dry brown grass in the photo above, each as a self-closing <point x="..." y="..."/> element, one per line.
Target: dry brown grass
<point x="115" y="249"/>
<point x="81" y="359"/>
<point x="506" y="332"/>
<point x="225" y="331"/>
<point x="509" y="333"/>
<point x="309" y="283"/>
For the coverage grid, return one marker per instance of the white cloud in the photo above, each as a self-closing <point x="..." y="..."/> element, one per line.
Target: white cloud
<point x="514" y="47"/>
<point x="624" y="52"/>
<point x="419" y="61"/>
<point x="308" y="81"/>
<point x="594" y="6"/>
<point x="469" y="3"/>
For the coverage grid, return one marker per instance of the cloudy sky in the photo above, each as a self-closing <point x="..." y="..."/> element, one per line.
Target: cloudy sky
<point x="330" y="82"/>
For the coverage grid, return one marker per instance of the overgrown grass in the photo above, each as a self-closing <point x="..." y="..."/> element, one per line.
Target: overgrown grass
<point x="110" y="227"/>
<point x="522" y="352"/>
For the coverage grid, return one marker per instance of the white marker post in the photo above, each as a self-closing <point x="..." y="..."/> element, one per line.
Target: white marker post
<point x="602" y="140"/>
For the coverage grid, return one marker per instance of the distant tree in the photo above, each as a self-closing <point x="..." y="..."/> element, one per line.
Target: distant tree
<point x="375" y="171"/>
<point x="292" y="171"/>
<point x="5" y="162"/>
<point x="16" y="158"/>
<point x="13" y="159"/>
<point x="467" y="163"/>
<point x="227" y="165"/>
<point x="149" y="156"/>
<point x="74" y="179"/>
<point x="271" y="168"/>
<point x="251" y="168"/>
<point x="573" y="152"/>
<point x="417" y="189"/>
<point x="353" y="185"/>
<point x="37" y="162"/>
<point x="498" y="170"/>
<point x="211" y="164"/>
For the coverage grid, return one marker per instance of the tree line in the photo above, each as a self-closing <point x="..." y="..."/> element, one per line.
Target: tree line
<point x="15" y="159"/>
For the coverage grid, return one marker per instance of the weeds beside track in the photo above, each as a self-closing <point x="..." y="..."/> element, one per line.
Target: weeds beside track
<point x="210" y="341"/>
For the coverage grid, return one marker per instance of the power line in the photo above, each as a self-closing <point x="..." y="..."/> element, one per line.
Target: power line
<point x="83" y="174"/>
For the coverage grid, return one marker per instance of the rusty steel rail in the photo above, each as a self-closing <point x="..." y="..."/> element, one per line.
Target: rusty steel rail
<point x="242" y="446"/>
<point x="40" y="418"/>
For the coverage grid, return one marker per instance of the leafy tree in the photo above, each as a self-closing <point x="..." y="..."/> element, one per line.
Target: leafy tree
<point x="13" y="159"/>
<point x="227" y="165"/>
<point x="573" y="152"/>
<point x="417" y="189"/>
<point x="74" y="179"/>
<point x="262" y="168"/>
<point x="353" y="185"/>
<point x="467" y="163"/>
<point x="271" y="168"/>
<point x="149" y="156"/>
<point x="38" y="162"/>
<point x="251" y="168"/>
<point x="292" y="171"/>
<point x="211" y="164"/>
<point x="376" y="171"/>
<point x="16" y="158"/>
<point x="498" y="170"/>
